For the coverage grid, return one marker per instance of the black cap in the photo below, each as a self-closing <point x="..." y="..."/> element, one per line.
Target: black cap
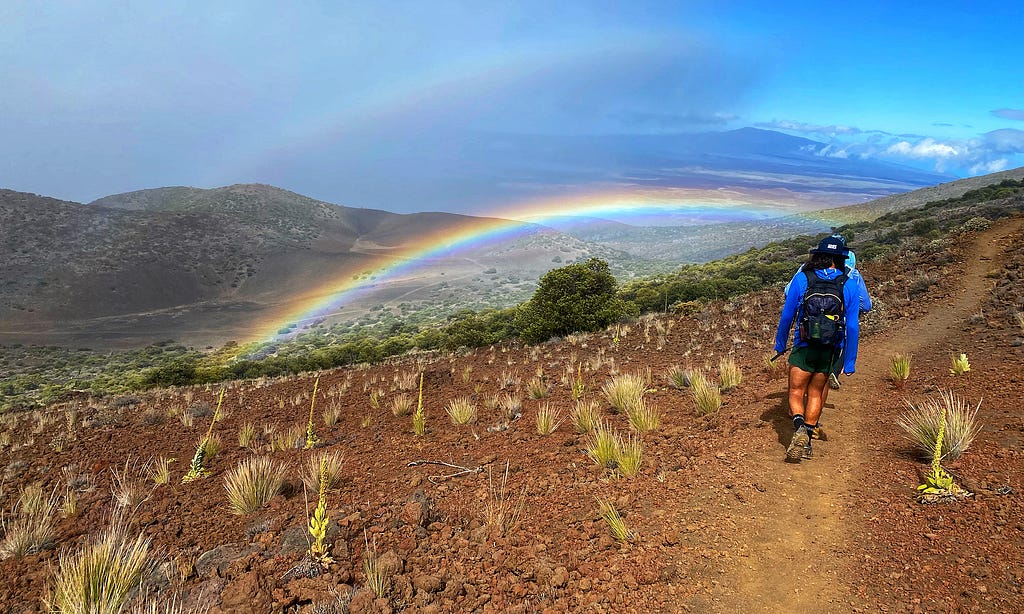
<point x="833" y="245"/>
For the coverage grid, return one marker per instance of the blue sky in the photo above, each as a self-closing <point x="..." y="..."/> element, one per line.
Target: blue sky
<point x="340" y="99"/>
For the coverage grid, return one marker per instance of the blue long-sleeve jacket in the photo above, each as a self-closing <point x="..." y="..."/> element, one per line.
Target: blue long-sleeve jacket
<point x="791" y="312"/>
<point x="865" y="298"/>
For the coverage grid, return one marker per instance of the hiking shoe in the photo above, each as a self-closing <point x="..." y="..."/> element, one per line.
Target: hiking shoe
<point x="833" y="381"/>
<point x="808" y="452"/>
<point x="819" y="434"/>
<point x="795" y="451"/>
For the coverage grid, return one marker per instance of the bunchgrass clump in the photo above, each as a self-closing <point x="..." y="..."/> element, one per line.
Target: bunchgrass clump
<point x="629" y="455"/>
<point x="246" y="435"/>
<point x="289" y="439"/>
<point x="461" y="410"/>
<point x="502" y="510"/>
<point x="585" y="416"/>
<point x="510" y="405"/>
<point x="644" y="417"/>
<point x="624" y="391"/>
<point x="603" y="446"/>
<point x="160" y="470"/>
<point x="537" y="388"/>
<point x="899" y="369"/>
<point x="327" y="463"/>
<point x="706" y="396"/>
<point x="101" y="575"/>
<point x="729" y="374"/>
<point x="401" y="405"/>
<point x="616" y="525"/>
<point x="378" y="579"/>
<point x="959" y="364"/>
<point x="924" y="421"/>
<point x="332" y="414"/>
<point x="678" y="377"/>
<point x="128" y="484"/>
<point x="548" y="419"/>
<point x="578" y="385"/>
<point x="29" y="528"/>
<point x="252" y="484"/>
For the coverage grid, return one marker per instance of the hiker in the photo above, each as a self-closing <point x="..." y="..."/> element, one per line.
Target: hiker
<point x="824" y="340"/>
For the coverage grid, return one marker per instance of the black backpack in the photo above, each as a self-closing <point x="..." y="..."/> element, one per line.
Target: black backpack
<point x="822" y="312"/>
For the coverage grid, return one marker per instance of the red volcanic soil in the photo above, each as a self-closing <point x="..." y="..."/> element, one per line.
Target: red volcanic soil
<point x="720" y="523"/>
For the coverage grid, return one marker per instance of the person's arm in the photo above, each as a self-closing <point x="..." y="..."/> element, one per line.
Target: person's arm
<point x="865" y="298"/>
<point x="794" y="291"/>
<point x="851" y="296"/>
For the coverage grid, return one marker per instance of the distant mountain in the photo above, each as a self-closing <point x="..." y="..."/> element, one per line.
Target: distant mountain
<point x="186" y="262"/>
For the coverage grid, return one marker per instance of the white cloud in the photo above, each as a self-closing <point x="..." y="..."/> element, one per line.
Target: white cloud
<point x="994" y="166"/>
<point x="926" y="148"/>
<point x="793" y="126"/>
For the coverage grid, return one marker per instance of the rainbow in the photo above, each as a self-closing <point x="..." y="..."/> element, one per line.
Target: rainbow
<point x="389" y="265"/>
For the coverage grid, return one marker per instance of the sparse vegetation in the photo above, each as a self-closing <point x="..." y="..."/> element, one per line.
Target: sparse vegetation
<point x="923" y="422"/>
<point x="401" y="405"/>
<point x="603" y="446"/>
<point x="252" y="484"/>
<point x="246" y="435"/>
<point x="325" y="464"/>
<point x="729" y="374"/>
<point x="502" y="510"/>
<point x="197" y="469"/>
<point x="615" y="523"/>
<point x="625" y="391"/>
<point x="585" y="416"/>
<point x="29" y="528"/>
<point x="899" y="369"/>
<point x="537" y="388"/>
<point x="678" y="377"/>
<point x="548" y="419"/>
<point x="644" y="416"/>
<point x="419" y="417"/>
<point x="461" y="410"/>
<point x="629" y="455"/>
<point x="706" y="397"/>
<point x="99" y="576"/>
<point x="378" y="579"/>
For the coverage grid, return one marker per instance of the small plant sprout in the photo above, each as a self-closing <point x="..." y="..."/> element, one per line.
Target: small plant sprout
<point x="375" y="399"/>
<point x="959" y="365"/>
<point x="585" y="416"/>
<point x="196" y="469"/>
<point x="502" y="510"/>
<point x="578" y="386"/>
<point x="311" y="438"/>
<point x="252" y="484"/>
<point x="706" y="396"/>
<point x="377" y="578"/>
<point x="461" y="410"/>
<point x="547" y="419"/>
<point x="729" y="374"/>
<point x="320" y="521"/>
<point x="419" y="417"/>
<point x="899" y="369"/>
<point x="616" y="525"/>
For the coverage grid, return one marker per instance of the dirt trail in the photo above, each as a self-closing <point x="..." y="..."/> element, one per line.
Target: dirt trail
<point x="792" y="551"/>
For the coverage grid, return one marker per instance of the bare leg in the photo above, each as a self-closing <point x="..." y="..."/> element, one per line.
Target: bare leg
<point x="798" y="382"/>
<point x="817" y="390"/>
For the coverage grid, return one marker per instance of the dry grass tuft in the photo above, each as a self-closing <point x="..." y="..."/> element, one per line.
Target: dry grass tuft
<point x="401" y="405"/>
<point x="29" y="529"/>
<point x="629" y="455"/>
<point x="101" y="575"/>
<point x="644" y="417"/>
<point x="252" y="484"/>
<point x="129" y="484"/>
<point x="160" y="470"/>
<point x="246" y="435"/>
<point x="510" y="405"/>
<point x="899" y="369"/>
<point x="624" y="392"/>
<point x="331" y="414"/>
<point x="502" y="510"/>
<point x="603" y="446"/>
<point x="548" y="419"/>
<point x="729" y="374"/>
<point x="294" y="437"/>
<point x="585" y="416"/>
<point x="616" y="525"/>
<point x="922" y="424"/>
<point x="333" y="460"/>
<point x="378" y="579"/>
<point x="678" y="377"/>
<point x="706" y="396"/>
<point x="461" y="410"/>
<point x="537" y="388"/>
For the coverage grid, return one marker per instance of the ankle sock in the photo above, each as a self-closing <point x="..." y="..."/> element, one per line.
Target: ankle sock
<point x="798" y="421"/>
<point x="810" y="427"/>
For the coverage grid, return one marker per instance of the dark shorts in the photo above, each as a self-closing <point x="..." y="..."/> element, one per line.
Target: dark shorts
<point x="817" y="360"/>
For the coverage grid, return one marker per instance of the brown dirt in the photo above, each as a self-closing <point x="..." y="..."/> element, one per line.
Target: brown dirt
<point x="721" y="523"/>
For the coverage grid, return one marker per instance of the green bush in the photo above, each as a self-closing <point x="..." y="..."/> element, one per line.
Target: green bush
<point x="574" y="298"/>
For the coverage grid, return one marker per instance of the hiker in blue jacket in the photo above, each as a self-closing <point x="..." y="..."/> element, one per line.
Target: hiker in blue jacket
<point x="825" y="350"/>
